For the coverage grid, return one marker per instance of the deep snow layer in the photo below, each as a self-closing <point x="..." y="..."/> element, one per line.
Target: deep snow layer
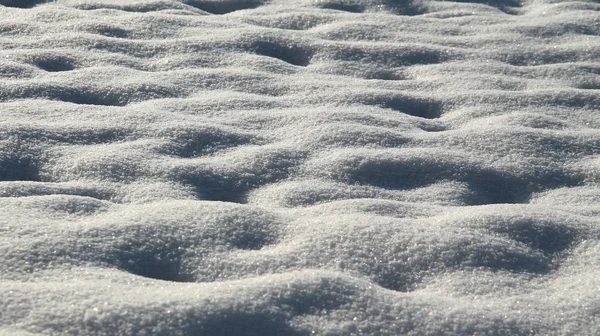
<point x="328" y="167"/>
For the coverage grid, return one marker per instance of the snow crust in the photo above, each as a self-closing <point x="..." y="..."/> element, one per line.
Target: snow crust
<point x="310" y="167"/>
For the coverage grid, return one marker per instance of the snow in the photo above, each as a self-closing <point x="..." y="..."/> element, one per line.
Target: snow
<point x="311" y="167"/>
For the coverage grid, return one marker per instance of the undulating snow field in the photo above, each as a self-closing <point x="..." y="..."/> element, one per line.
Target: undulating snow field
<point x="306" y="167"/>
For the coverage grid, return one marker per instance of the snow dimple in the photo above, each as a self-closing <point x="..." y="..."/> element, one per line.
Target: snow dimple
<point x="483" y="252"/>
<point x="399" y="7"/>
<point x="19" y="189"/>
<point x="589" y="83"/>
<point x="415" y="168"/>
<point x="217" y="7"/>
<point x="221" y="179"/>
<point x="22" y="3"/>
<point x="415" y="106"/>
<point x="342" y="6"/>
<point x="512" y="7"/>
<point x="54" y="63"/>
<point x="18" y="162"/>
<point x="545" y="235"/>
<point x="110" y="31"/>
<point x="159" y="259"/>
<point x="173" y="241"/>
<point x="292" y="21"/>
<point x="385" y="55"/>
<point x="136" y="6"/>
<point x="88" y="95"/>
<point x="285" y="51"/>
<point x="194" y="142"/>
<point x="223" y="6"/>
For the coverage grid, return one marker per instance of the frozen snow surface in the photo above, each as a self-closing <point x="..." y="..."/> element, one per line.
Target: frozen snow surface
<point x="328" y="167"/>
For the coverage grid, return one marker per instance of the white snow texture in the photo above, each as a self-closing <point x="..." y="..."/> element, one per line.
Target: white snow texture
<point x="300" y="167"/>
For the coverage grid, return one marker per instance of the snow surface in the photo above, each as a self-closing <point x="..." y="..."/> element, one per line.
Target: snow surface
<point x="308" y="167"/>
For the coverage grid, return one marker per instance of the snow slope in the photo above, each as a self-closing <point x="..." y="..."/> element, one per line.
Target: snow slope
<point x="308" y="167"/>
